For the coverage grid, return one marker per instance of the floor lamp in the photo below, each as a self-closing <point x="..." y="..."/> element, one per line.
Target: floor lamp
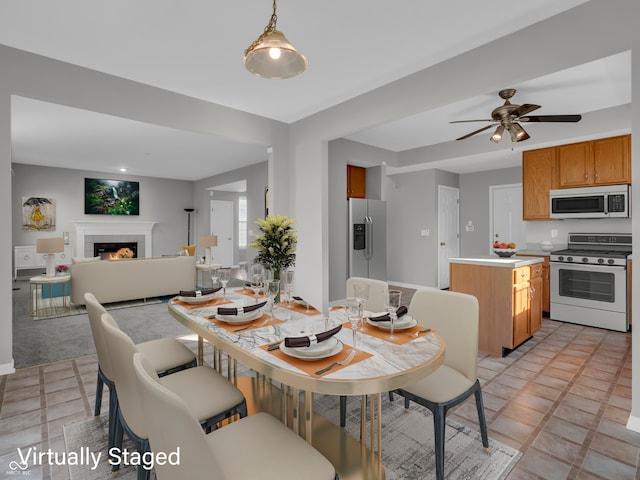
<point x="188" y="210"/>
<point x="50" y="246"/>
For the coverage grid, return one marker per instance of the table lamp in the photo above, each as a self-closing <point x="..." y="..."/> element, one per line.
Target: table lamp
<point x="208" y="241"/>
<point x="50" y="246"/>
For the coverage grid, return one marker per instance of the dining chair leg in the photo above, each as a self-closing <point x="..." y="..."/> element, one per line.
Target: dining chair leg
<point x="113" y="408"/>
<point x="439" y="414"/>
<point x="343" y="410"/>
<point x="481" y="417"/>
<point x="99" y="388"/>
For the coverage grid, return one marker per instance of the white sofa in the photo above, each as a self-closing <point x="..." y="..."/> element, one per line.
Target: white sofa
<point x="120" y="280"/>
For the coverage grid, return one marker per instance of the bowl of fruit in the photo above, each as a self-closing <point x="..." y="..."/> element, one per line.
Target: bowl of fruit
<point x="503" y="249"/>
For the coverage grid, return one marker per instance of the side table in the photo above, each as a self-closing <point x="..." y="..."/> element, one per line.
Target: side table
<point x="44" y="308"/>
<point x="206" y="269"/>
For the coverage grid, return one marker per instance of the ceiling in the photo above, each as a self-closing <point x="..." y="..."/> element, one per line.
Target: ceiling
<point x="195" y="48"/>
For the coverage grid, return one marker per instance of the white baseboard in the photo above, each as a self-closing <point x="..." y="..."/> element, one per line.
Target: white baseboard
<point x="633" y="423"/>
<point x="7" y="368"/>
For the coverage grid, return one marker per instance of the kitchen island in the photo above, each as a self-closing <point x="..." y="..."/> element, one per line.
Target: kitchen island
<point x="509" y="293"/>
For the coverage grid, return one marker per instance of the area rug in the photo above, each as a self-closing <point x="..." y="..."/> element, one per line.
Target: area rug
<point x="408" y="452"/>
<point x="81" y="309"/>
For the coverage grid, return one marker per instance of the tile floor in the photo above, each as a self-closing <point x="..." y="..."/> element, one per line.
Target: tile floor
<point x="562" y="398"/>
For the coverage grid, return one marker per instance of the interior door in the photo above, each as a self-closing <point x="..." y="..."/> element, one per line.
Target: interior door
<point x="222" y="222"/>
<point x="448" y="231"/>
<point x="506" y="216"/>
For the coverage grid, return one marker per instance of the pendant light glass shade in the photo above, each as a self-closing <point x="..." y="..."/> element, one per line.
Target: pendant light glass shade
<point x="518" y="133"/>
<point x="271" y="55"/>
<point x="497" y="136"/>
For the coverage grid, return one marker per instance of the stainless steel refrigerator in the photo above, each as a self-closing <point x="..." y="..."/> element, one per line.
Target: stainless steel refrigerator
<point x="368" y="238"/>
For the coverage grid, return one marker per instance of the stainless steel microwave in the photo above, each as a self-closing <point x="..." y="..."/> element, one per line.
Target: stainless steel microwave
<point x="611" y="201"/>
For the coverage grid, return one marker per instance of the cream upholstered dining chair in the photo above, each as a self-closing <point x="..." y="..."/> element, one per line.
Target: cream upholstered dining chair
<point x="257" y="446"/>
<point x="378" y="292"/>
<point x="166" y="354"/>
<point x="210" y="397"/>
<point x="455" y="317"/>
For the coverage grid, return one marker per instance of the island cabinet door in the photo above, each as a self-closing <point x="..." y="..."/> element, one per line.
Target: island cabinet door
<point x="536" y="293"/>
<point x="521" y="299"/>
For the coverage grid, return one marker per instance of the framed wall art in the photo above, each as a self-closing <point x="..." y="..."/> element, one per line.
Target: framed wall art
<point x="38" y="214"/>
<point x="111" y="197"/>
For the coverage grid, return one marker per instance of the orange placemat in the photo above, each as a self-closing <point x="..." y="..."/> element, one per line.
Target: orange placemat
<point x="401" y="336"/>
<point x="249" y="293"/>
<point x="311" y="367"/>
<point x="296" y="307"/>
<point x="213" y="301"/>
<point x="263" y="321"/>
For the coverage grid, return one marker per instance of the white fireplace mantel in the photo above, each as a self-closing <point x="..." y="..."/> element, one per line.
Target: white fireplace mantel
<point x="84" y="228"/>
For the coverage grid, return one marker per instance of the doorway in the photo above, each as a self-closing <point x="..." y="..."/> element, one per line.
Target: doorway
<point x="221" y="221"/>
<point x="506" y="216"/>
<point x="448" y="231"/>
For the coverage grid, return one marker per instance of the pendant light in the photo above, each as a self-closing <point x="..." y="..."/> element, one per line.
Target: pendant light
<point x="271" y="55"/>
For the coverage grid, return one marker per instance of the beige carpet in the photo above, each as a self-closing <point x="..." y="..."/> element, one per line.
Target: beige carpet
<point x="81" y="309"/>
<point x="407" y="445"/>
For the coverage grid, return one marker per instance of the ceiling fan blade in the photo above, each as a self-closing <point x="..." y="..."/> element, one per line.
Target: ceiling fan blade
<point x="550" y="118"/>
<point x="524" y="109"/>
<point x="465" y="121"/>
<point x="477" y="131"/>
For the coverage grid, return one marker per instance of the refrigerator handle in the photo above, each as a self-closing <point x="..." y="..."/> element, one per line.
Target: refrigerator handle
<point x="369" y="237"/>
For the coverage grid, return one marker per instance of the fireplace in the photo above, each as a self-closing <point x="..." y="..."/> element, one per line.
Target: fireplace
<point x="107" y="250"/>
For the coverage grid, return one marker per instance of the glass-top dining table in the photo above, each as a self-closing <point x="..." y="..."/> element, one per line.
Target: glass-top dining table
<point x="381" y="363"/>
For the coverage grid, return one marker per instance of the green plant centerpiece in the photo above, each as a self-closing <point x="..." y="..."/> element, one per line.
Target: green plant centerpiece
<point x="276" y="243"/>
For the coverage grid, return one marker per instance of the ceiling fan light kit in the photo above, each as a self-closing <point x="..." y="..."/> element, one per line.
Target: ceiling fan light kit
<point x="271" y="55"/>
<point x="508" y="115"/>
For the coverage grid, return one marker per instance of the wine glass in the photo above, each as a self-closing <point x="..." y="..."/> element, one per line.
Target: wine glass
<point x="288" y="285"/>
<point x="273" y="288"/>
<point x="353" y="314"/>
<point x="225" y="275"/>
<point x="214" y="272"/>
<point x="256" y="284"/>
<point x="361" y="295"/>
<point x="392" y="304"/>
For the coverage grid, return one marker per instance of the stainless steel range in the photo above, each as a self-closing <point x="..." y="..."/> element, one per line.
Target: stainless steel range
<point x="589" y="280"/>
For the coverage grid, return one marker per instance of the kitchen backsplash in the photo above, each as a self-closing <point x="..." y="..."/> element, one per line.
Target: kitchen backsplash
<point x="540" y="231"/>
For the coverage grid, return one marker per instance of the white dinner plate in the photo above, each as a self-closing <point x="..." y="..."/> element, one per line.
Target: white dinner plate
<point x="198" y="300"/>
<point x="296" y="353"/>
<point x="240" y="319"/>
<point x="402" y="323"/>
<point x="318" y="349"/>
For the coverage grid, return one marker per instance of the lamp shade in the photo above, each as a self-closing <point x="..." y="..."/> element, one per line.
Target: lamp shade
<point x="208" y="240"/>
<point x="50" y="246"/>
<point x="274" y="57"/>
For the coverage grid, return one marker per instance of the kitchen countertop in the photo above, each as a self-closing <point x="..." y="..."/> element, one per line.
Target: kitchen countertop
<point x="539" y="253"/>
<point x="495" y="261"/>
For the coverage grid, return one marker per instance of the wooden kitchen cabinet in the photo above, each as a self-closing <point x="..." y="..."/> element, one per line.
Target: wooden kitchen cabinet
<point x="545" y="293"/>
<point x="510" y="312"/>
<point x="539" y="175"/>
<point x="606" y="161"/>
<point x="356" y="182"/>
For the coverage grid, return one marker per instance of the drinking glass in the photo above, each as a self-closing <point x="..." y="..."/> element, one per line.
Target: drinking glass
<point x="353" y="314"/>
<point x="392" y="304"/>
<point x="225" y="275"/>
<point x="288" y="285"/>
<point x="361" y="292"/>
<point x="256" y="285"/>
<point x="215" y="273"/>
<point x="273" y="288"/>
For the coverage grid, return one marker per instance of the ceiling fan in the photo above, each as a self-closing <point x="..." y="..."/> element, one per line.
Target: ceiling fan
<point x="509" y="116"/>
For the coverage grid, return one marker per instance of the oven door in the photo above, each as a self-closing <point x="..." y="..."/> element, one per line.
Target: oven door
<point x="593" y="295"/>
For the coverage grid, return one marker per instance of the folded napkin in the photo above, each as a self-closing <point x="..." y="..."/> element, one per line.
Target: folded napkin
<point x="401" y="311"/>
<point x="198" y="293"/>
<point x="298" y="299"/>
<point x="240" y="310"/>
<point x="294" y="342"/>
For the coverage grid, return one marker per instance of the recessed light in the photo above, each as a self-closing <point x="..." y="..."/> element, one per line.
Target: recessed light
<point x="123" y="169"/>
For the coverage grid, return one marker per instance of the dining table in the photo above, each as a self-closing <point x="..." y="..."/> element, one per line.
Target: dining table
<point x="256" y="340"/>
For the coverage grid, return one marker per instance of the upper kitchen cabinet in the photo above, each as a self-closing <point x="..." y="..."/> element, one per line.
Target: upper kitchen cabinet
<point x="598" y="162"/>
<point x="356" y="182"/>
<point x="539" y="175"/>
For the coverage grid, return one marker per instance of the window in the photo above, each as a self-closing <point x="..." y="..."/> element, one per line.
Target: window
<point x="242" y="222"/>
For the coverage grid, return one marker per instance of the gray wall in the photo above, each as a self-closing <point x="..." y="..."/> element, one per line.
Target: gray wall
<point x="161" y="200"/>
